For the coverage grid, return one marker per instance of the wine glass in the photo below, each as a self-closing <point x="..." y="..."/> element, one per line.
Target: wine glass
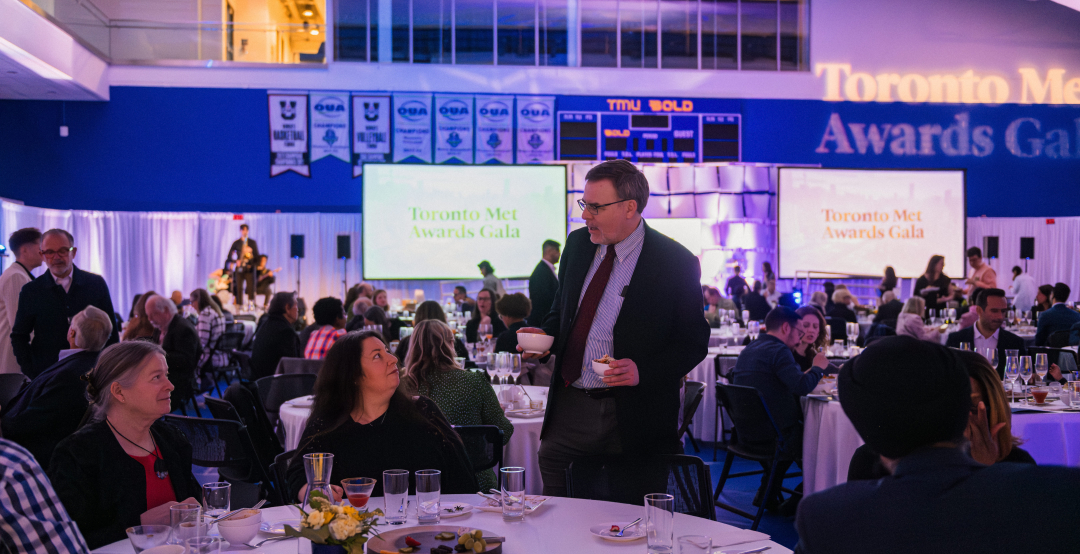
<point x="745" y="316"/>
<point x="753" y="328"/>
<point x="991" y="355"/>
<point x="1042" y="366"/>
<point x="515" y="367"/>
<point x="491" y="369"/>
<point x="1025" y="371"/>
<point x="1012" y="368"/>
<point x="502" y="366"/>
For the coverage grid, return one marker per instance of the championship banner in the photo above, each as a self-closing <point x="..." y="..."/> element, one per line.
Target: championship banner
<point x="412" y="127"/>
<point x="288" y="134"/>
<point x="453" y="128"/>
<point x="535" y="117"/>
<point x="494" y="129"/>
<point x="371" y="131"/>
<point x="329" y="125"/>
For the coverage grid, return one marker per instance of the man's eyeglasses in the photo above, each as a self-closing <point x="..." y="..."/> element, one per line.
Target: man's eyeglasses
<point x="62" y="252"/>
<point x="595" y="208"/>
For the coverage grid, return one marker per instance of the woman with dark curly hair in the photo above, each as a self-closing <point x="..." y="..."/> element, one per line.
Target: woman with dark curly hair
<point x="814" y="336"/>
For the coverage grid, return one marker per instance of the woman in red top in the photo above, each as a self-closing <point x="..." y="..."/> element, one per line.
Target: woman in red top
<point x="126" y="467"/>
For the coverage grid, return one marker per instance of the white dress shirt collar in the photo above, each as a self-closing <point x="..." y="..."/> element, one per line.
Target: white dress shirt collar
<point x="69" y="351"/>
<point x="64" y="281"/>
<point x="552" y="266"/>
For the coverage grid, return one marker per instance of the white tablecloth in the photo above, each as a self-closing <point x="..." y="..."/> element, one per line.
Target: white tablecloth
<point x="520" y="451"/>
<point x="561" y="525"/>
<point x="829" y="440"/>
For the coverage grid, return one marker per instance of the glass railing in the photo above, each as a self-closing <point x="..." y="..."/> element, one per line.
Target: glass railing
<point x="80" y="18"/>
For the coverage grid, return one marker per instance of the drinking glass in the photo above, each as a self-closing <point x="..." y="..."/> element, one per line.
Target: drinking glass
<point x="148" y="536"/>
<point x="991" y="355"/>
<point x="203" y="545"/>
<point x="659" y="519"/>
<point x="395" y="495"/>
<point x="745" y="316"/>
<point x="753" y="328"/>
<point x="1012" y="352"/>
<point x="186" y="522"/>
<point x="427" y="496"/>
<point x="695" y="544"/>
<point x="1012" y="368"/>
<point x="1042" y="366"/>
<point x="492" y="371"/>
<point x="459" y="362"/>
<point x="965" y="346"/>
<point x="1026" y="370"/>
<point x="513" y="493"/>
<point x="358" y="490"/>
<point x="515" y="367"/>
<point x="317" y="466"/>
<point x="216" y="498"/>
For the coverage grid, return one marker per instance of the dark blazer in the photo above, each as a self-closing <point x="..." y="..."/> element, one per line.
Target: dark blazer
<point x="889" y="310"/>
<point x="274" y="340"/>
<point x="1057" y="318"/>
<point x="104" y="489"/>
<point x="236" y="251"/>
<point x="182" y="351"/>
<point x="507" y="340"/>
<point x="1006" y="341"/>
<point x="660" y="327"/>
<point x="45" y="310"/>
<point x="939" y="500"/>
<point x="542" y="288"/>
<point x="843" y="312"/>
<point x="756" y="304"/>
<point x="942" y="283"/>
<point x="51" y="407"/>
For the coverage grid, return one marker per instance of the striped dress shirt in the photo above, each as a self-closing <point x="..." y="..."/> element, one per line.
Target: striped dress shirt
<point x="601" y="335"/>
<point x="210" y="327"/>
<point x="32" y="519"/>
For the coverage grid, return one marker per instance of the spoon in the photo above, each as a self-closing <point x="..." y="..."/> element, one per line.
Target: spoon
<point x="234" y="512"/>
<point x="623" y="530"/>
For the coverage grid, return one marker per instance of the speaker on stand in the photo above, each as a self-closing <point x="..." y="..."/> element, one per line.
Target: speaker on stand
<point x="296" y="250"/>
<point x="344" y="250"/>
<point x="1027" y="250"/>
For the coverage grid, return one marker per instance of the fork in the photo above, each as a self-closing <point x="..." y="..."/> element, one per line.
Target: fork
<point x="623" y="530"/>
<point x="264" y="541"/>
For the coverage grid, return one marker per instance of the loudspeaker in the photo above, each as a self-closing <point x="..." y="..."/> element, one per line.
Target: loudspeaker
<point x="1027" y="248"/>
<point x="344" y="246"/>
<point x="296" y="246"/>
<point x="990" y="247"/>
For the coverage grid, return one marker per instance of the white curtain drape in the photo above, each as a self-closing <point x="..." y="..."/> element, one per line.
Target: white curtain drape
<point x="1057" y="248"/>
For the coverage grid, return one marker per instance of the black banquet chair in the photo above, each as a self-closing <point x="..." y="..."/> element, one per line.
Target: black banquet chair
<point x="693" y="392"/>
<point x="10" y="385"/>
<point x="262" y="438"/>
<point x="627" y="481"/>
<point x="484" y="445"/>
<point x="275" y="390"/>
<point x="225" y="445"/>
<point x="278" y="471"/>
<point x="226" y="344"/>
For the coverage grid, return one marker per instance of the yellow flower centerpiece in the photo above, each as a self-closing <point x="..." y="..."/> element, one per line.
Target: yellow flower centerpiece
<point x="331" y="528"/>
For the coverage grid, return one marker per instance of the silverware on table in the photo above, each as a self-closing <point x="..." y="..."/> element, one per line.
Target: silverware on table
<point x="264" y="541"/>
<point x="623" y="530"/>
<point x="234" y="512"/>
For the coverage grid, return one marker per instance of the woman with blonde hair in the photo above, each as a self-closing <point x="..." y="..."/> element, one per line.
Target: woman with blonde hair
<point x="139" y="326"/>
<point x="910" y="321"/>
<point x="465" y="397"/>
<point x="841" y="307"/>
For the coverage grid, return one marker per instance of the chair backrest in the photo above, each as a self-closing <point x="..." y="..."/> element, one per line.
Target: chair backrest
<point x="244" y="317"/>
<point x="750" y="415"/>
<point x="222" y="409"/>
<point x="224" y="444"/>
<point x="628" y="480"/>
<point x="718" y="368"/>
<point x="234" y="328"/>
<point x="278" y="471"/>
<point x="244" y="403"/>
<point x="243" y="359"/>
<point x="484" y="445"/>
<point x="1058" y="339"/>
<point x="837" y="328"/>
<point x="693" y="392"/>
<point x="1063" y="357"/>
<point x="229" y="341"/>
<point x="10" y="385"/>
<point x="274" y="390"/>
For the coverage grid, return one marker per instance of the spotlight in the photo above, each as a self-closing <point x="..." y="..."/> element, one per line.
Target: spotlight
<point x="308" y="13"/>
<point x="314" y="31"/>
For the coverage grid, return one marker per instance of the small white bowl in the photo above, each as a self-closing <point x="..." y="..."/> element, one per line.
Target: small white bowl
<point x="240" y="531"/>
<point x="533" y="343"/>
<point x="600" y="368"/>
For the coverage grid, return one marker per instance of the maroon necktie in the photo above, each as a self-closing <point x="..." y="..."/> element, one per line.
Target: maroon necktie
<point x="579" y="334"/>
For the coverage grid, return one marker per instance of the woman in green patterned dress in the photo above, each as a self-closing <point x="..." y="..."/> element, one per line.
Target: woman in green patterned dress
<point x="465" y="397"/>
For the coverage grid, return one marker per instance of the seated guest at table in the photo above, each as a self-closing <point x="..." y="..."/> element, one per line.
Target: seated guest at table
<point x="465" y="397"/>
<point x="513" y="309"/>
<point x="350" y="297"/>
<point x="888" y="282"/>
<point x="890" y="307"/>
<point x="984" y="276"/>
<point x="933" y="285"/>
<point x="1058" y="318"/>
<point x="989" y="431"/>
<point x="32" y="519"/>
<point x="938" y="499"/>
<point x="380" y="300"/>
<point x="830" y="288"/>
<point x="275" y="338"/>
<point x="53" y="404"/>
<point x="485" y="314"/>
<point x="430" y="309"/>
<point x="819" y="300"/>
<point x="1023" y="289"/>
<point x="772" y="296"/>
<point x="1042" y="299"/>
<point x="376" y="317"/>
<point x="138" y="327"/>
<point x="360" y="306"/>
<point x="330" y="319"/>
<point x="126" y="467"/>
<point x="767" y="364"/>
<point x="180" y="342"/>
<point x="970" y="314"/>
<point x="369" y="425"/>
<point x="814" y="337"/>
<point x="462" y="301"/>
<point x="910" y="322"/>
<point x="842" y="302"/>
<point x="225" y="313"/>
<point x="755" y="303"/>
<point x="714" y="304"/>
<point x="210" y="327"/>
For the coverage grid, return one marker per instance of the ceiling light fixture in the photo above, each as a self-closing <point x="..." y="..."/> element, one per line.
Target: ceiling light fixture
<point x="314" y="31"/>
<point x="32" y="62"/>
<point x="308" y="13"/>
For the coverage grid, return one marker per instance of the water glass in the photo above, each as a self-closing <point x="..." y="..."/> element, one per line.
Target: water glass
<point x="515" y="367"/>
<point x="695" y="544"/>
<point x="428" y="487"/>
<point x="395" y="495"/>
<point x="659" y="522"/>
<point x="1012" y="368"/>
<point x="203" y="545"/>
<point x="459" y="362"/>
<point x="1042" y="366"/>
<point x="317" y="466"/>
<point x="513" y="493"/>
<point x="991" y="355"/>
<point x="1026" y="369"/>
<point x="216" y="498"/>
<point x="745" y="316"/>
<point x="965" y="346"/>
<point x="148" y="536"/>
<point x="187" y="522"/>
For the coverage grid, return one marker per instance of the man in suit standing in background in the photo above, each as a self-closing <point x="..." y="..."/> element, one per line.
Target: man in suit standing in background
<point x="628" y="292"/>
<point x="991" y="306"/>
<point x="1058" y="318"/>
<point x="26" y="245"/>
<point x="245" y="265"/>
<point x="544" y="283"/>
<point x="47" y="304"/>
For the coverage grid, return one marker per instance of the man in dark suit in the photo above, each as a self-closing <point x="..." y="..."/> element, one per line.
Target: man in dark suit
<point x="275" y="338"/>
<point x="180" y="341"/>
<point x="755" y="303"/>
<point x="544" y="283"/>
<point x="890" y="307"/>
<point x="991" y="307"/>
<point x="627" y="291"/>
<point x="52" y="405"/>
<point x="938" y="499"/>
<point x="1058" y="318"/>
<point x="245" y="264"/>
<point x="47" y="304"/>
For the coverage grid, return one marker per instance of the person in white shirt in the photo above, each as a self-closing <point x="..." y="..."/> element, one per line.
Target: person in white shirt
<point x="25" y="244"/>
<point x="1024" y="289"/>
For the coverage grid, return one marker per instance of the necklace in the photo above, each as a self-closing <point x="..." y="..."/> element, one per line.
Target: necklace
<point x="160" y="468"/>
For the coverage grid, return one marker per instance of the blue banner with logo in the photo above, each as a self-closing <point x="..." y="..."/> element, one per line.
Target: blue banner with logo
<point x="535" y="124"/>
<point x="289" y="134"/>
<point x="370" y="131"/>
<point x="412" y="128"/>
<point x="494" y="129"/>
<point x="454" y="128"/>
<point x="329" y="125"/>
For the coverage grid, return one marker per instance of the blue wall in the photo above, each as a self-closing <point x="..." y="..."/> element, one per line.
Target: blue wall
<point x="208" y="150"/>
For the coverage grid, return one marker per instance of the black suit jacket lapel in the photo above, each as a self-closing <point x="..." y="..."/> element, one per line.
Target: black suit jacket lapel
<point x="643" y="279"/>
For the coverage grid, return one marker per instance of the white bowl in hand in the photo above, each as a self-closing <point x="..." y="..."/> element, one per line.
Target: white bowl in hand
<point x="600" y="368"/>
<point x="240" y="531"/>
<point x="534" y="343"/>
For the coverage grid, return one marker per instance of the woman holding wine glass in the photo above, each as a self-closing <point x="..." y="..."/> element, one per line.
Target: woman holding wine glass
<point x="485" y="315"/>
<point x="933" y="285"/>
<point x="814" y="336"/>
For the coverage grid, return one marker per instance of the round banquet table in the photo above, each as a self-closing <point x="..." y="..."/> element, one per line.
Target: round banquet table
<point x="560" y="525"/>
<point x="519" y="452"/>
<point x="829" y="441"/>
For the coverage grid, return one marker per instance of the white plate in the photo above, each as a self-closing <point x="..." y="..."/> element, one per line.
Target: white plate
<point x="466" y="509"/>
<point x="603" y="531"/>
<point x="525" y="413"/>
<point x="302" y="402"/>
<point x="278" y="527"/>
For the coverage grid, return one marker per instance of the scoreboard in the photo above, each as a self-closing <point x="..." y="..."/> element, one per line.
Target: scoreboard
<point x="644" y="137"/>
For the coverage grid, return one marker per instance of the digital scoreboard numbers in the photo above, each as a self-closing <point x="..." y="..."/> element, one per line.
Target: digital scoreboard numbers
<point x="647" y="136"/>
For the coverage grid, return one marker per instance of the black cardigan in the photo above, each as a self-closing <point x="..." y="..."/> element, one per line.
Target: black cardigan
<point x="104" y="489"/>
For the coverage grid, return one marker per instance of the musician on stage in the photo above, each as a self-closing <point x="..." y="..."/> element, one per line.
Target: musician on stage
<point x="264" y="278"/>
<point x="244" y="251"/>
